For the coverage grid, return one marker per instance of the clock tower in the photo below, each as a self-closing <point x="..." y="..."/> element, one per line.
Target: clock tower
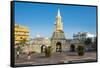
<point x="58" y="40"/>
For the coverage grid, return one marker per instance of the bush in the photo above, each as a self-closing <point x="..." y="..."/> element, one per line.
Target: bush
<point x="80" y="50"/>
<point x="48" y="51"/>
<point x="33" y="52"/>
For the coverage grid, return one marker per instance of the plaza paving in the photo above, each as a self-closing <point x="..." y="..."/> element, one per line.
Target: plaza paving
<point x="66" y="57"/>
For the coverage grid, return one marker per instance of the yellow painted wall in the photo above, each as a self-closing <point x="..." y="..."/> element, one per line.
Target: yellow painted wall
<point x="21" y="32"/>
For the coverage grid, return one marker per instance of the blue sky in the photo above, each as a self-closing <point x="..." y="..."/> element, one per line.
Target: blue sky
<point x="40" y="18"/>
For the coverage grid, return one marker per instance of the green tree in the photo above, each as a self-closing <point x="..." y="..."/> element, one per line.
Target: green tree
<point x="80" y="50"/>
<point x="95" y="44"/>
<point x="18" y="49"/>
<point x="88" y="41"/>
<point x="48" y="51"/>
<point x="23" y="42"/>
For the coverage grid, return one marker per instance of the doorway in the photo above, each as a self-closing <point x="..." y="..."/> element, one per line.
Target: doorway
<point x="58" y="47"/>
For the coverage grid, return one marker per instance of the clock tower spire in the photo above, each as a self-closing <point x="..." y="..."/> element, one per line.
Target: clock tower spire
<point x="59" y="26"/>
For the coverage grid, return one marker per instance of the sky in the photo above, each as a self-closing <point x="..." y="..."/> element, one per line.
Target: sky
<point x="40" y="18"/>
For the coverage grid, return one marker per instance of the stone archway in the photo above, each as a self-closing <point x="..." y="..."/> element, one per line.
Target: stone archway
<point x="43" y="48"/>
<point x="72" y="47"/>
<point x="58" y="47"/>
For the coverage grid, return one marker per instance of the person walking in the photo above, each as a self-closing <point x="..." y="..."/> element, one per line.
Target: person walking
<point x="17" y="54"/>
<point x="29" y="56"/>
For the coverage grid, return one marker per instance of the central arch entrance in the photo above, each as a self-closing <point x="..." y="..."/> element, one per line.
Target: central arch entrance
<point x="43" y="48"/>
<point x="72" y="47"/>
<point x="58" y="47"/>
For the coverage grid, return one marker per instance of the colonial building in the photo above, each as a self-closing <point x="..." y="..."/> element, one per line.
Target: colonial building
<point x="21" y="33"/>
<point x="83" y="35"/>
<point x="58" y="39"/>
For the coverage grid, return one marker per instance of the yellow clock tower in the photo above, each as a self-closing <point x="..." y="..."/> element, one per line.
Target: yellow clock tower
<point x="58" y="40"/>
